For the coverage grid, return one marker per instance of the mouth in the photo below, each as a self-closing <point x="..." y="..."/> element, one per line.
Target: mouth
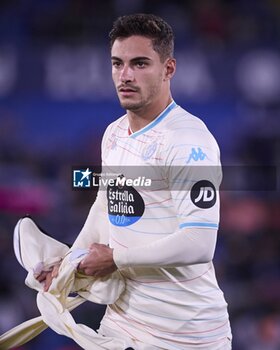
<point x="127" y="91"/>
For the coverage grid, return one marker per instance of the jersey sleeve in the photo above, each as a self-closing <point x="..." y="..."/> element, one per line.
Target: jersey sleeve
<point x="194" y="175"/>
<point x="95" y="229"/>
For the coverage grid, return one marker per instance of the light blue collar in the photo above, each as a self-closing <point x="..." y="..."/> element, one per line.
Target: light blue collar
<point x="162" y="115"/>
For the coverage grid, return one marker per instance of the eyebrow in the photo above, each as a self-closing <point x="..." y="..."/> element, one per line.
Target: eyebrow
<point x="135" y="59"/>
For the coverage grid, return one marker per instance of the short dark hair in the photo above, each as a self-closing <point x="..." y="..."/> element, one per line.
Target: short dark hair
<point x="147" y="25"/>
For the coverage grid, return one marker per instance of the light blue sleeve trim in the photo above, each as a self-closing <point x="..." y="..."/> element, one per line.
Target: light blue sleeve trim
<point x="199" y="224"/>
<point x="156" y="121"/>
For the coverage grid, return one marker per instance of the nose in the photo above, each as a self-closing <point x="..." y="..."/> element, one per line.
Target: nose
<point x="127" y="74"/>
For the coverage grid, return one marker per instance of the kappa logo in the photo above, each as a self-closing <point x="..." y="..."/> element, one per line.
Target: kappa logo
<point x="196" y="155"/>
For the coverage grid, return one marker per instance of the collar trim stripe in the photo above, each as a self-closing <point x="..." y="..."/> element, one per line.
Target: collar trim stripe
<point x="156" y="121"/>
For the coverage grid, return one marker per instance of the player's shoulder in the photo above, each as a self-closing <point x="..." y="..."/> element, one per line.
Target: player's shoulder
<point x="182" y="125"/>
<point x="119" y="123"/>
<point x="115" y="129"/>
<point x="180" y="118"/>
<point x="187" y="140"/>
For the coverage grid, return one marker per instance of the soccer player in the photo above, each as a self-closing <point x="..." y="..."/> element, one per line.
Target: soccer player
<point x="162" y="239"/>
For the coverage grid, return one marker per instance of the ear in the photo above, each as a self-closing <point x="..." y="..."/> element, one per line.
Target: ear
<point x="170" y="68"/>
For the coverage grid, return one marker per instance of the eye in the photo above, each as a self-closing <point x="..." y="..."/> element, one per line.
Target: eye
<point x="116" y="64"/>
<point x="141" y="64"/>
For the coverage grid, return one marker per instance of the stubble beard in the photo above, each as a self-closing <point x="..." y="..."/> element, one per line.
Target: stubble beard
<point x="131" y="106"/>
<point x="135" y="106"/>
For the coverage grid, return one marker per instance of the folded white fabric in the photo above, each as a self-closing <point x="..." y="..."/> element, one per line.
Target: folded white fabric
<point x="38" y="252"/>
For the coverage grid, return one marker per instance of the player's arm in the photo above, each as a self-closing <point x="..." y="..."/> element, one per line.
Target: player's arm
<point x="95" y="229"/>
<point x="95" y="237"/>
<point x="192" y="243"/>
<point x="183" y="247"/>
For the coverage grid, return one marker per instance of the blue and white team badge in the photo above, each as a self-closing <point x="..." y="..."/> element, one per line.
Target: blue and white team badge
<point x="82" y="178"/>
<point x="196" y="155"/>
<point x="149" y="151"/>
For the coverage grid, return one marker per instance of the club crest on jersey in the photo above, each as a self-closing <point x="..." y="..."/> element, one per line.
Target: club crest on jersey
<point x="149" y="151"/>
<point x="196" y="155"/>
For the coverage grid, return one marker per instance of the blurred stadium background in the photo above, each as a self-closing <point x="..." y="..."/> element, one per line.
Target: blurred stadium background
<point x="56" y="98"/>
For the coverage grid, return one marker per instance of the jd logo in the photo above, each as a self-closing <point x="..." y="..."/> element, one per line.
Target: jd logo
<point x="203" y="194"/>
<point x="196" y="155"/>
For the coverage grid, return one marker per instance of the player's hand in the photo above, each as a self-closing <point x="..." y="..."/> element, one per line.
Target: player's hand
<point x="46" y="277"/>
<point x="98" y="262"/>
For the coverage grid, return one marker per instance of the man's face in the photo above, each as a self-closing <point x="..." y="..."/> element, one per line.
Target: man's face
<point x="137" y="72"/>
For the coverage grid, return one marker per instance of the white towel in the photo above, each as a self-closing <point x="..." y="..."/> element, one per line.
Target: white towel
<point x="37" y="251"/>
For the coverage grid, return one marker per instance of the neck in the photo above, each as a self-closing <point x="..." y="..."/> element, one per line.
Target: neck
<point x="139" y="119"/>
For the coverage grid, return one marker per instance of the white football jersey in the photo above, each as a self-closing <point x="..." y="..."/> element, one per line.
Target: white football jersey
<point x="168" y="187"/>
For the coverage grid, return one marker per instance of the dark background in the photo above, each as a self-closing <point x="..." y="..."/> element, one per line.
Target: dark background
<point x="56" y="98"/>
